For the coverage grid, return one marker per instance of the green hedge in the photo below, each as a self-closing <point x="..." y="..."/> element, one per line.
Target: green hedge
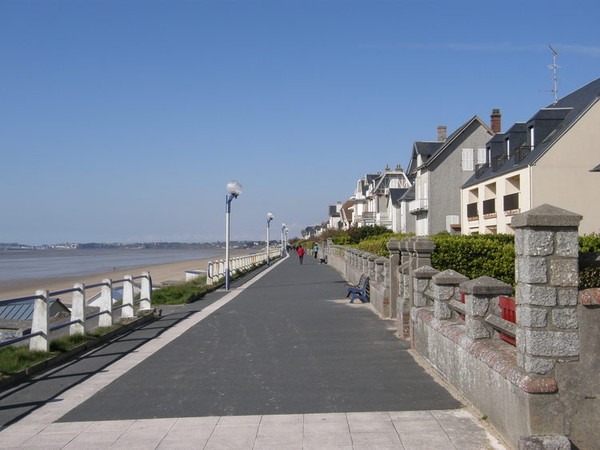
<point x="377" y="245"/>
<point x="475" y="256"/>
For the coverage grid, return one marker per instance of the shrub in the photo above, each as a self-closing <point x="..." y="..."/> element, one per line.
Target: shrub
<point x="476" y="256"/>
<point x="590" y="243"/>
<point x="377" y="245"/>
<point x="181" y="293"/>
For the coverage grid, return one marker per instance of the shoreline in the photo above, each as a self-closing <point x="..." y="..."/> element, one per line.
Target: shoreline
<point x="172" y="271"/>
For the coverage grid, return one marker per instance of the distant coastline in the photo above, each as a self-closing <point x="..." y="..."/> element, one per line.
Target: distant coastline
<point x="132" y="246"/>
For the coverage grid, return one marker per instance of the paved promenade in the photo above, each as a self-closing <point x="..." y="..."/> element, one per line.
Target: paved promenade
<point x="280" y="362"/>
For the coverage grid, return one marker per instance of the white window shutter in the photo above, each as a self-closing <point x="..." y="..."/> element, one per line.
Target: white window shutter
<point x="481" y="156"/>
<point x="467" y="159"/>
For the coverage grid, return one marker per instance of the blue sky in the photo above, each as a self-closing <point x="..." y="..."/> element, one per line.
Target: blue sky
<point x="123" y="120"/>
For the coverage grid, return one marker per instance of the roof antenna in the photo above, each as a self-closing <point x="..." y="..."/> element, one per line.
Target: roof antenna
<point x="554" y="68"/>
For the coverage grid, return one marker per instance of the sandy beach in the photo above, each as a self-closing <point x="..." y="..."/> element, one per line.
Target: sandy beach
<point x="174" y="271"/>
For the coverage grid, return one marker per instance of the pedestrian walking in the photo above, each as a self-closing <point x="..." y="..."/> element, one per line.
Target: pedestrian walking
<point x="301" y="253"/>
<point x="315" y="250"/>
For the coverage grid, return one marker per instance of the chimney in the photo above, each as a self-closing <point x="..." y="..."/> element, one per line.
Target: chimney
<point x="496" y="121"/>
<point x="441" y="133"/>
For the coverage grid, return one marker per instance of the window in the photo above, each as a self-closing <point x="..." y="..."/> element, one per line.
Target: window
<point x="508" y="147"/>
<point x="468" y="162"/>
<point x="489" y="206"/>
<point x="511" y="202"/>
<point x="472" y="210"/>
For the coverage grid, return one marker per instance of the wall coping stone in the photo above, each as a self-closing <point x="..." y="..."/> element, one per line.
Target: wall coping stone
<point x="449" y="277"/>
<point x="371" y="257"/>
<point x="425" y="272"/>
<point x="546" y="216"/>
<point x="486" y="286"/>
<point x="489" y="352"/>
<point x="381" y="260"/>
<point x="393" y="244"/>
<point x="424" y="244"/>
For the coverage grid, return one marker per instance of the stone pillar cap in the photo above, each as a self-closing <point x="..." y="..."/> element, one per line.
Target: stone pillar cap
<point x="393" y="244"/>
<point x="486" y="286"/>
<point x="449" y="277"/>
<point x="425" y="272"/>
<point x="381" y="260"/>
<point x="423" y="244"/>
<point x="546" y="216"/>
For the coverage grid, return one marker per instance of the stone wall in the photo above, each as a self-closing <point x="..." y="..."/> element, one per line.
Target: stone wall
<point x="546" y="384"/>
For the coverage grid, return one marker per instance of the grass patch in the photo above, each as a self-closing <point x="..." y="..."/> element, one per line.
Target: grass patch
<point x="17" y="359"/>
<point x="66" y="343"/>
<point x="14" y="359"/>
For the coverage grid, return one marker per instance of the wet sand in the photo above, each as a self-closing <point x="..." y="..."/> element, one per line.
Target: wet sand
<point x="173" y="271"/>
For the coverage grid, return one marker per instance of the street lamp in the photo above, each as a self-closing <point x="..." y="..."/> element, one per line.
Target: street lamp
<point x="283" y="240"/>
<point x="270" y="217"/>
<point x="233" y="190"/>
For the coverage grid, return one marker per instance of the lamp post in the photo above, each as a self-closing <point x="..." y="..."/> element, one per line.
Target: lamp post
<point x="283" y="243"/>
<point x="270" y="217"/>
<point x="233" y="190"/>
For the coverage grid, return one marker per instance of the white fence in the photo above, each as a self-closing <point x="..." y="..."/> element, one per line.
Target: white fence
<point x="40" y="327"/>
<point x="215" y="270"/>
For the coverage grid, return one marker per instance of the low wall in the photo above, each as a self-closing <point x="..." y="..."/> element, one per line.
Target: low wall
<point x="543" y="385"/>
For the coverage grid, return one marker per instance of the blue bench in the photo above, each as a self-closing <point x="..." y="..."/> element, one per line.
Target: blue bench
<point x="360" y="291"/>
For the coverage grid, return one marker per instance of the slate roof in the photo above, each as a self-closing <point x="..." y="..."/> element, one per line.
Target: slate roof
<point x="24" y="310"/>
<point x="549" y="123"/>
<point x="396" y="194"/>
<point x="409" y="195"/>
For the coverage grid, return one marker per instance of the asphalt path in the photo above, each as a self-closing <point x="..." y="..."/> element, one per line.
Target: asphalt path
<point x="288" y="344"/>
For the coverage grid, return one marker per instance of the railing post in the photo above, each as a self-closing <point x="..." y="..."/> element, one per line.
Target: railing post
<point x="422" y="286"/>
<point x="106" y="297"/>
<point x="394" y="249"/>
<point x="78" y="310"/>
<point x="445" y="288"/>
<point x="40" y="322"/>
<point x="370" y="259"/>
<point x="547" y="275"/>
<point x="127" y="310"/>
<point x="481" y="299"/>
<point x="146" y="292"/>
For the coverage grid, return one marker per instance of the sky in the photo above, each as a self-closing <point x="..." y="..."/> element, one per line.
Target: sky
<point x="124" y="120"/>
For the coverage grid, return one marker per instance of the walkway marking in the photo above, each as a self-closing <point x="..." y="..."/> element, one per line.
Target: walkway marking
<point x="68" y="400"/>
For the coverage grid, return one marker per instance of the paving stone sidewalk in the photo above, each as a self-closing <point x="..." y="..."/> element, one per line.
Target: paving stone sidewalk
<point x="280" y="362"/>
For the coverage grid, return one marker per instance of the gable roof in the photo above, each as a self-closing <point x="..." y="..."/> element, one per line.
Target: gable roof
<point x="430" y="151"/>
<point x="455" y="135"/>
<point x="550" y="124"/>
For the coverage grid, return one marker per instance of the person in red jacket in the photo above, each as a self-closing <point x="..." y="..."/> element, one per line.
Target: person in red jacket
<point x="301" y="253"/>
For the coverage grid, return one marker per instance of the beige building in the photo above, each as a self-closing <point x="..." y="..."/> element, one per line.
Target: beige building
<point x="549" y="159"/>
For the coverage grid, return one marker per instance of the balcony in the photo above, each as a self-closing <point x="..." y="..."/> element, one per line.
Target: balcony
<point x="368" y="218"/>
<point x="417" y="206"/>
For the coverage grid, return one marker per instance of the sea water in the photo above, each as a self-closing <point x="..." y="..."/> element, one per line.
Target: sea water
<point x="50" y="263"/>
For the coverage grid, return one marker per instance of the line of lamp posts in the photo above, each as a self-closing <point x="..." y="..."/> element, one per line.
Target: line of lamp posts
<point x="233" y="190"/>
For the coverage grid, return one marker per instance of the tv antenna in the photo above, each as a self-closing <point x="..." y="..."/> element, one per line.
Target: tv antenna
<point x="554" y="68"/>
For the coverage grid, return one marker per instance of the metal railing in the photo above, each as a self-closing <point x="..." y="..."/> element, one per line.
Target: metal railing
<point x="40" y="327"/>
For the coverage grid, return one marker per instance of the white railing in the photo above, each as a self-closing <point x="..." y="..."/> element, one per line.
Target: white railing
<point x="215" y="270"/>
<point x="40" y="326"/>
